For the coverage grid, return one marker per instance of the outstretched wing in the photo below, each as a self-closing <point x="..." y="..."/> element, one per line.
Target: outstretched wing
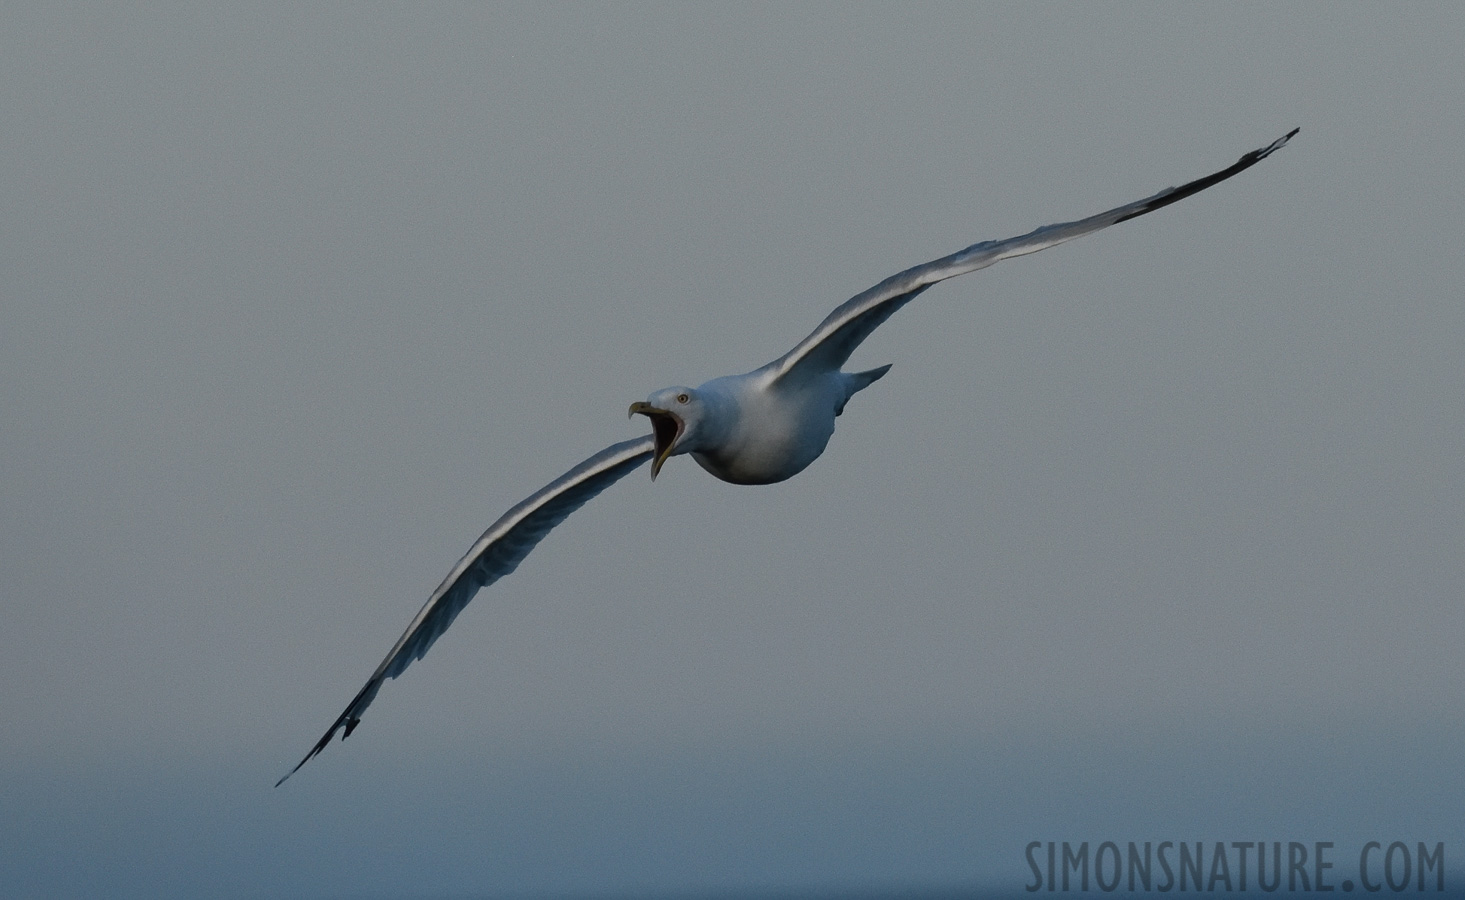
<point x="839" y="334"/>
<point x="502" y="547"/>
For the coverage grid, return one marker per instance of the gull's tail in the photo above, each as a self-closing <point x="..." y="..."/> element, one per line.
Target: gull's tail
<point x="854" y="382"/>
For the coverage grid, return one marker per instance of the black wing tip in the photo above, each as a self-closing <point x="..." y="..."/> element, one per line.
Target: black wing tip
<point x="349" y="723"/>
<point x="1274" y="146"/>
<point x="1165" y="198"/>
<point x="319" y="746"/>
<point x="286" y="777"/>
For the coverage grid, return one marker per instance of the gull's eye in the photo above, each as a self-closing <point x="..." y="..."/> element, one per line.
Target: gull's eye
<point x="682" y="398"/>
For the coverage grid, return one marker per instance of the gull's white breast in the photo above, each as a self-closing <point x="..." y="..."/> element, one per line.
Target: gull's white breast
<point x="773" y="429"/>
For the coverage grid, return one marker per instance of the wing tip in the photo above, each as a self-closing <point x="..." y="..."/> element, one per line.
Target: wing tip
<point x="286" y="776"/>
<point x="350" y="725"/>
<point x="1276" y="145"/>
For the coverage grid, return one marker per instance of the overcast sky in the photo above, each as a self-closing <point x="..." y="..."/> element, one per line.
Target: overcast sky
<point x="1159" y="535"/>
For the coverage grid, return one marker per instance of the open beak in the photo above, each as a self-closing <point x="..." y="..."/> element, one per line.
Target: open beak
<point x="666" y="427"/>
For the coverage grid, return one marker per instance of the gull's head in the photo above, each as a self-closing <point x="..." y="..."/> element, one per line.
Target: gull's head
<point x="675" y="413"/>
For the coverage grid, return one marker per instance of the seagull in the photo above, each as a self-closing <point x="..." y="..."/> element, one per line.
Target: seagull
<point x="762" y="427"/>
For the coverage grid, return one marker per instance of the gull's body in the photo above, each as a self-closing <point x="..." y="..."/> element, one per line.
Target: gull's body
<point x="758" y="428"/>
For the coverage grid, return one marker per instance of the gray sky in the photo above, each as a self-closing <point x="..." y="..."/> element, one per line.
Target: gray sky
<point x="1154" y="536"/>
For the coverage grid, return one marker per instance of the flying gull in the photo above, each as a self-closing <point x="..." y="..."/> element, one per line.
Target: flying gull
<point x="759" y="428"/>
